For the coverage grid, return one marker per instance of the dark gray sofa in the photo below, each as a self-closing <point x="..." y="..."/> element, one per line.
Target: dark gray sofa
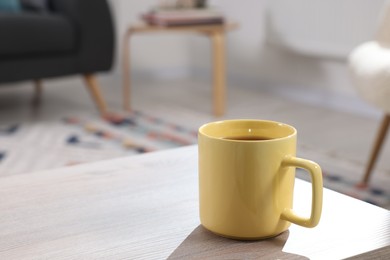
<point x="57" y="38"/>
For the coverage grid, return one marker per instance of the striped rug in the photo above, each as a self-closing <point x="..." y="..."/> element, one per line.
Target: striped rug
<point x="38" y="145"/>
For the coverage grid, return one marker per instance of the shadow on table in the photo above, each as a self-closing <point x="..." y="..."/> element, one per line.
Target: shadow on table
<point x="202" y="244"/>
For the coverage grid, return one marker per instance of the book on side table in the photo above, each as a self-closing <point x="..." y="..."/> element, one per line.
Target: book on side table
<point x="182" y="17"/>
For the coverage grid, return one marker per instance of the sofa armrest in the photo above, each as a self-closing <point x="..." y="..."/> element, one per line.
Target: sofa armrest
<point x="94" y="28"/>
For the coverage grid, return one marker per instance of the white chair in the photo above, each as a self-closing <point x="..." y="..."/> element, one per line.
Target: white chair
<point x="369" y="64"/>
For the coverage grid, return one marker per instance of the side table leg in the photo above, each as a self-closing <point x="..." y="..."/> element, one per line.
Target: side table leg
<point x="218" y="42"/>
<point x="126" y="71"/>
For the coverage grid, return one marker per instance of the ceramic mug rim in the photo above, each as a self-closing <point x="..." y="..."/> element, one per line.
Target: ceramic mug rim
<point x="204" y="129"/>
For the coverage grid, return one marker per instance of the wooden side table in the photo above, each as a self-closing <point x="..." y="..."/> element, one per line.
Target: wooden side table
<point x="216" y="33"/>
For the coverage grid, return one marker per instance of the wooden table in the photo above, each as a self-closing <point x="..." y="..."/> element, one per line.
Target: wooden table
<point x="216" y="33"/>
<point x="146" y="207"/>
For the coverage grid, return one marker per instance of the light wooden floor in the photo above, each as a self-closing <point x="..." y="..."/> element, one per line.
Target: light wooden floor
<point x="324" y="135"/>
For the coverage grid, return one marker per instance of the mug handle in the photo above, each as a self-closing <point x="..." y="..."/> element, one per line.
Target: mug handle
<point x="316" y="205"/>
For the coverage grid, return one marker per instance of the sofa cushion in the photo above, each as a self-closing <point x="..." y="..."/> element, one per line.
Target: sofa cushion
<point x="35" y="5"/>
<point x="35" y="33"/>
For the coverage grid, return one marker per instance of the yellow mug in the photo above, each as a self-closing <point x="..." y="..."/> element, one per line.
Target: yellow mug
<point x="246" y="179"/>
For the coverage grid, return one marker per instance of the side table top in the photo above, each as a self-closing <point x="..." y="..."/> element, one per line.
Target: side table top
<point x="144" y="27"/>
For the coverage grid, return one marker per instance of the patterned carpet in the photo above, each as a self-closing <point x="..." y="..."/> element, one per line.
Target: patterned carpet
<point x="27" y="147"/>
<point x="39" y="145"/>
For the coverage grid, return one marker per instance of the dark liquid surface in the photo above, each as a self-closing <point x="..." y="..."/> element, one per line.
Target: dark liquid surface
<point x="247" y="138"/>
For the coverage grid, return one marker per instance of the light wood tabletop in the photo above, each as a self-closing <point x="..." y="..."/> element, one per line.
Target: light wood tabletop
<point x="146" y="207"/>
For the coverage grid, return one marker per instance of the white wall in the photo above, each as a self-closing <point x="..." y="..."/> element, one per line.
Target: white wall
<point x="306" y="44"/>
<point x="150" y="53"/>
<point x="297" y="48"/>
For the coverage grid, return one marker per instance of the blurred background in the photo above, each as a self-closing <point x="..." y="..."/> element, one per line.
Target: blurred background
<point x="287" y="61"/>
<point x="296" y="48"/>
